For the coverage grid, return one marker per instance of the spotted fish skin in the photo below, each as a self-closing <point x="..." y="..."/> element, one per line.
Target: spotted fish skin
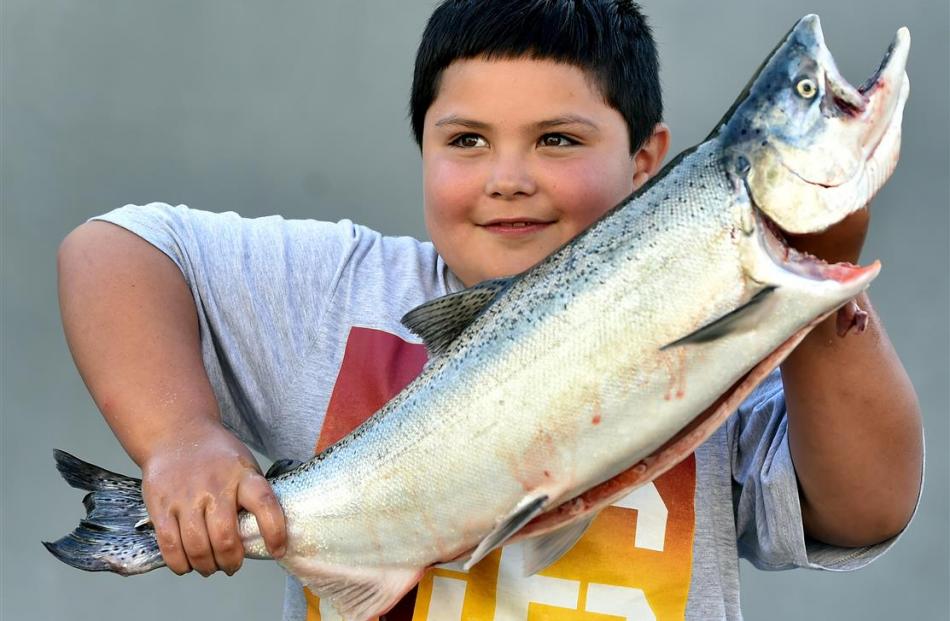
<point x="114" y="507"/>
<point x="543" y="386"/>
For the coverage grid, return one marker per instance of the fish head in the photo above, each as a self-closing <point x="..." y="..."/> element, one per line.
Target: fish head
<point x="811" y="147"/>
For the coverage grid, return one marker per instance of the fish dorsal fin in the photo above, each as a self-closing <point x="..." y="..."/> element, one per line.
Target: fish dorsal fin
<point x="739" y="319"/>
<point x="526" y="510"/>
<point x="544" y="550"/>
<point x="439" y="322"/>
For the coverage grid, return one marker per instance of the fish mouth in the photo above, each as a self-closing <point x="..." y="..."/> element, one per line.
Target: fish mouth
<point x="885" y="92"/>
<point x="874" y="106"/>
<point x="802" y="263"/>
<point x="853" y="101"/>
<point x="893" y="63"/>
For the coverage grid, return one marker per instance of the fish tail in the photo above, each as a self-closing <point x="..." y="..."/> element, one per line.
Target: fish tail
<point x="115" y="535"/>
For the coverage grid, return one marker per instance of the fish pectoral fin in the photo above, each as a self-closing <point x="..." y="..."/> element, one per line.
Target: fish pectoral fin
<point x="545" y="550"/>
<point x="439" y="321"/>
<point x="280" y="467"/>
<point x="357" y="593"/>
<point x="529" y="508"/>
<point x="740" y="319"/>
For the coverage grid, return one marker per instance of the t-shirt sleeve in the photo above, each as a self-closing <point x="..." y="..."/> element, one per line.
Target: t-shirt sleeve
<point x="768" y="512"/>
<point x="261" y="287"/>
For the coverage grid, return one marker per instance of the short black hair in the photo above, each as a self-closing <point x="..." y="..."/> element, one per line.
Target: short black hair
<point x="608" y="39"/>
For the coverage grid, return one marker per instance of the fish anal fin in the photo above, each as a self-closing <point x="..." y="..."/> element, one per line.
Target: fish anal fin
<point x="544" y="550"/>
<point x="526" y="510"/>
<point x="739" y="319"/>
<point x="438" y="322"/>
<point x="357" y="593"/>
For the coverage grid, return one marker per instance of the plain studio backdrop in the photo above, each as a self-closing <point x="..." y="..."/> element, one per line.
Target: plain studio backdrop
<point x="300" y="108"/>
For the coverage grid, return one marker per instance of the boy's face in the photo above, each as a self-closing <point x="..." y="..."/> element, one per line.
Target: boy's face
<point x="518" y="157"/>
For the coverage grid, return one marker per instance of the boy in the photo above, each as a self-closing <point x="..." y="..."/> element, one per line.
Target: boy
<point x="533" y="119"/>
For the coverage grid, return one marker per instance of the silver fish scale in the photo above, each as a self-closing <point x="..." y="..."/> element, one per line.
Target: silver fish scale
<point x="544" y="352"/>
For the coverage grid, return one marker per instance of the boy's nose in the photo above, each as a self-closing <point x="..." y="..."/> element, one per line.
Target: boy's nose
<point x="509" y="178"/>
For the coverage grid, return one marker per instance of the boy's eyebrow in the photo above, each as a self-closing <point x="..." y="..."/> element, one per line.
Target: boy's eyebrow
<point x="454" y="119"/>
<point x="564" y="119"/>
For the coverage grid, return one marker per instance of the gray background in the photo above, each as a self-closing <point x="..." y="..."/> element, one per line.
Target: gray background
<point x="299" y="108"/>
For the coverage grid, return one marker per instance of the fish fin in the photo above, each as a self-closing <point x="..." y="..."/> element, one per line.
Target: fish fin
<point x="358" y="594"/>
<point x="439" y="321"/>
<point x="281" y="466"/>
<point x="527" y="509"/>
<point x="544" y="550"/>
<point x="83" y="475"/>
<point x="116" y="534"/>
<point x="737" y="320"/>
<point x="145" y="522"/>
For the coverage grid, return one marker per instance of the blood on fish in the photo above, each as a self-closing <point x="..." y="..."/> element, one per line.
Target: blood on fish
<point x="595" y="419"/>
<point x="677" y="371"/>
<point x="540" y="449"/>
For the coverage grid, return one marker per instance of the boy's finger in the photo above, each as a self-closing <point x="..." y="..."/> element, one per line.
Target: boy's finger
<point x="169" y="543"/>
<point x="223" y="533"/>
<point x="194" y="538"/>
<point x="256" y="495"/>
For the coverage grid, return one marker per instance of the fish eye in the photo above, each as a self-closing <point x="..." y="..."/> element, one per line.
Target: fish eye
<point x="807" y="88"/>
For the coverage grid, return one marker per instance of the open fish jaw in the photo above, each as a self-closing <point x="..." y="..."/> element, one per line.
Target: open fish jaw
<point x="803" y="264"/>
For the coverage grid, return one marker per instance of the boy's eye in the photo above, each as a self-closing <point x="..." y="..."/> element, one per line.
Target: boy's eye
<point x="468" y="141"/>
<point x="556" y="140"/>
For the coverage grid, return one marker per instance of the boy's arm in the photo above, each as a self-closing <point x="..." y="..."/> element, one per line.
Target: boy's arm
<point x="131" y="324"/>
<point x="853" y="419"/>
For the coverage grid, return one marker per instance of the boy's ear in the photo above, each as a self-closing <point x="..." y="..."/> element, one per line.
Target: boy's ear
<point x="649" y="159"/>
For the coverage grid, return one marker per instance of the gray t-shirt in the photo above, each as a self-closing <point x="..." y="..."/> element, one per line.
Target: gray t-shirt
<point x="300" y="329"/>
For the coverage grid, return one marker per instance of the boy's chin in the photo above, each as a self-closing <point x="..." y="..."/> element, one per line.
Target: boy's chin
<point x="488" y="255"/>
<point x="502" y="270"/>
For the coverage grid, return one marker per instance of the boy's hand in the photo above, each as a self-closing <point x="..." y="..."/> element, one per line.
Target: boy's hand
<point x="194" y="486"/>
<point x="131" y="323"/>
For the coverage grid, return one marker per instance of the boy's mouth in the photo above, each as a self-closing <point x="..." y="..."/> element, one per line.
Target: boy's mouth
<point x="516" y="226"/>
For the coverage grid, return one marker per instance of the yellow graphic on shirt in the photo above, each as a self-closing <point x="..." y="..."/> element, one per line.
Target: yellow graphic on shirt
<point x="633" y="564"/>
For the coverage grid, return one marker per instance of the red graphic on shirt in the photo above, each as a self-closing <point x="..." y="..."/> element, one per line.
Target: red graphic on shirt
<point x="375" y="367"/>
